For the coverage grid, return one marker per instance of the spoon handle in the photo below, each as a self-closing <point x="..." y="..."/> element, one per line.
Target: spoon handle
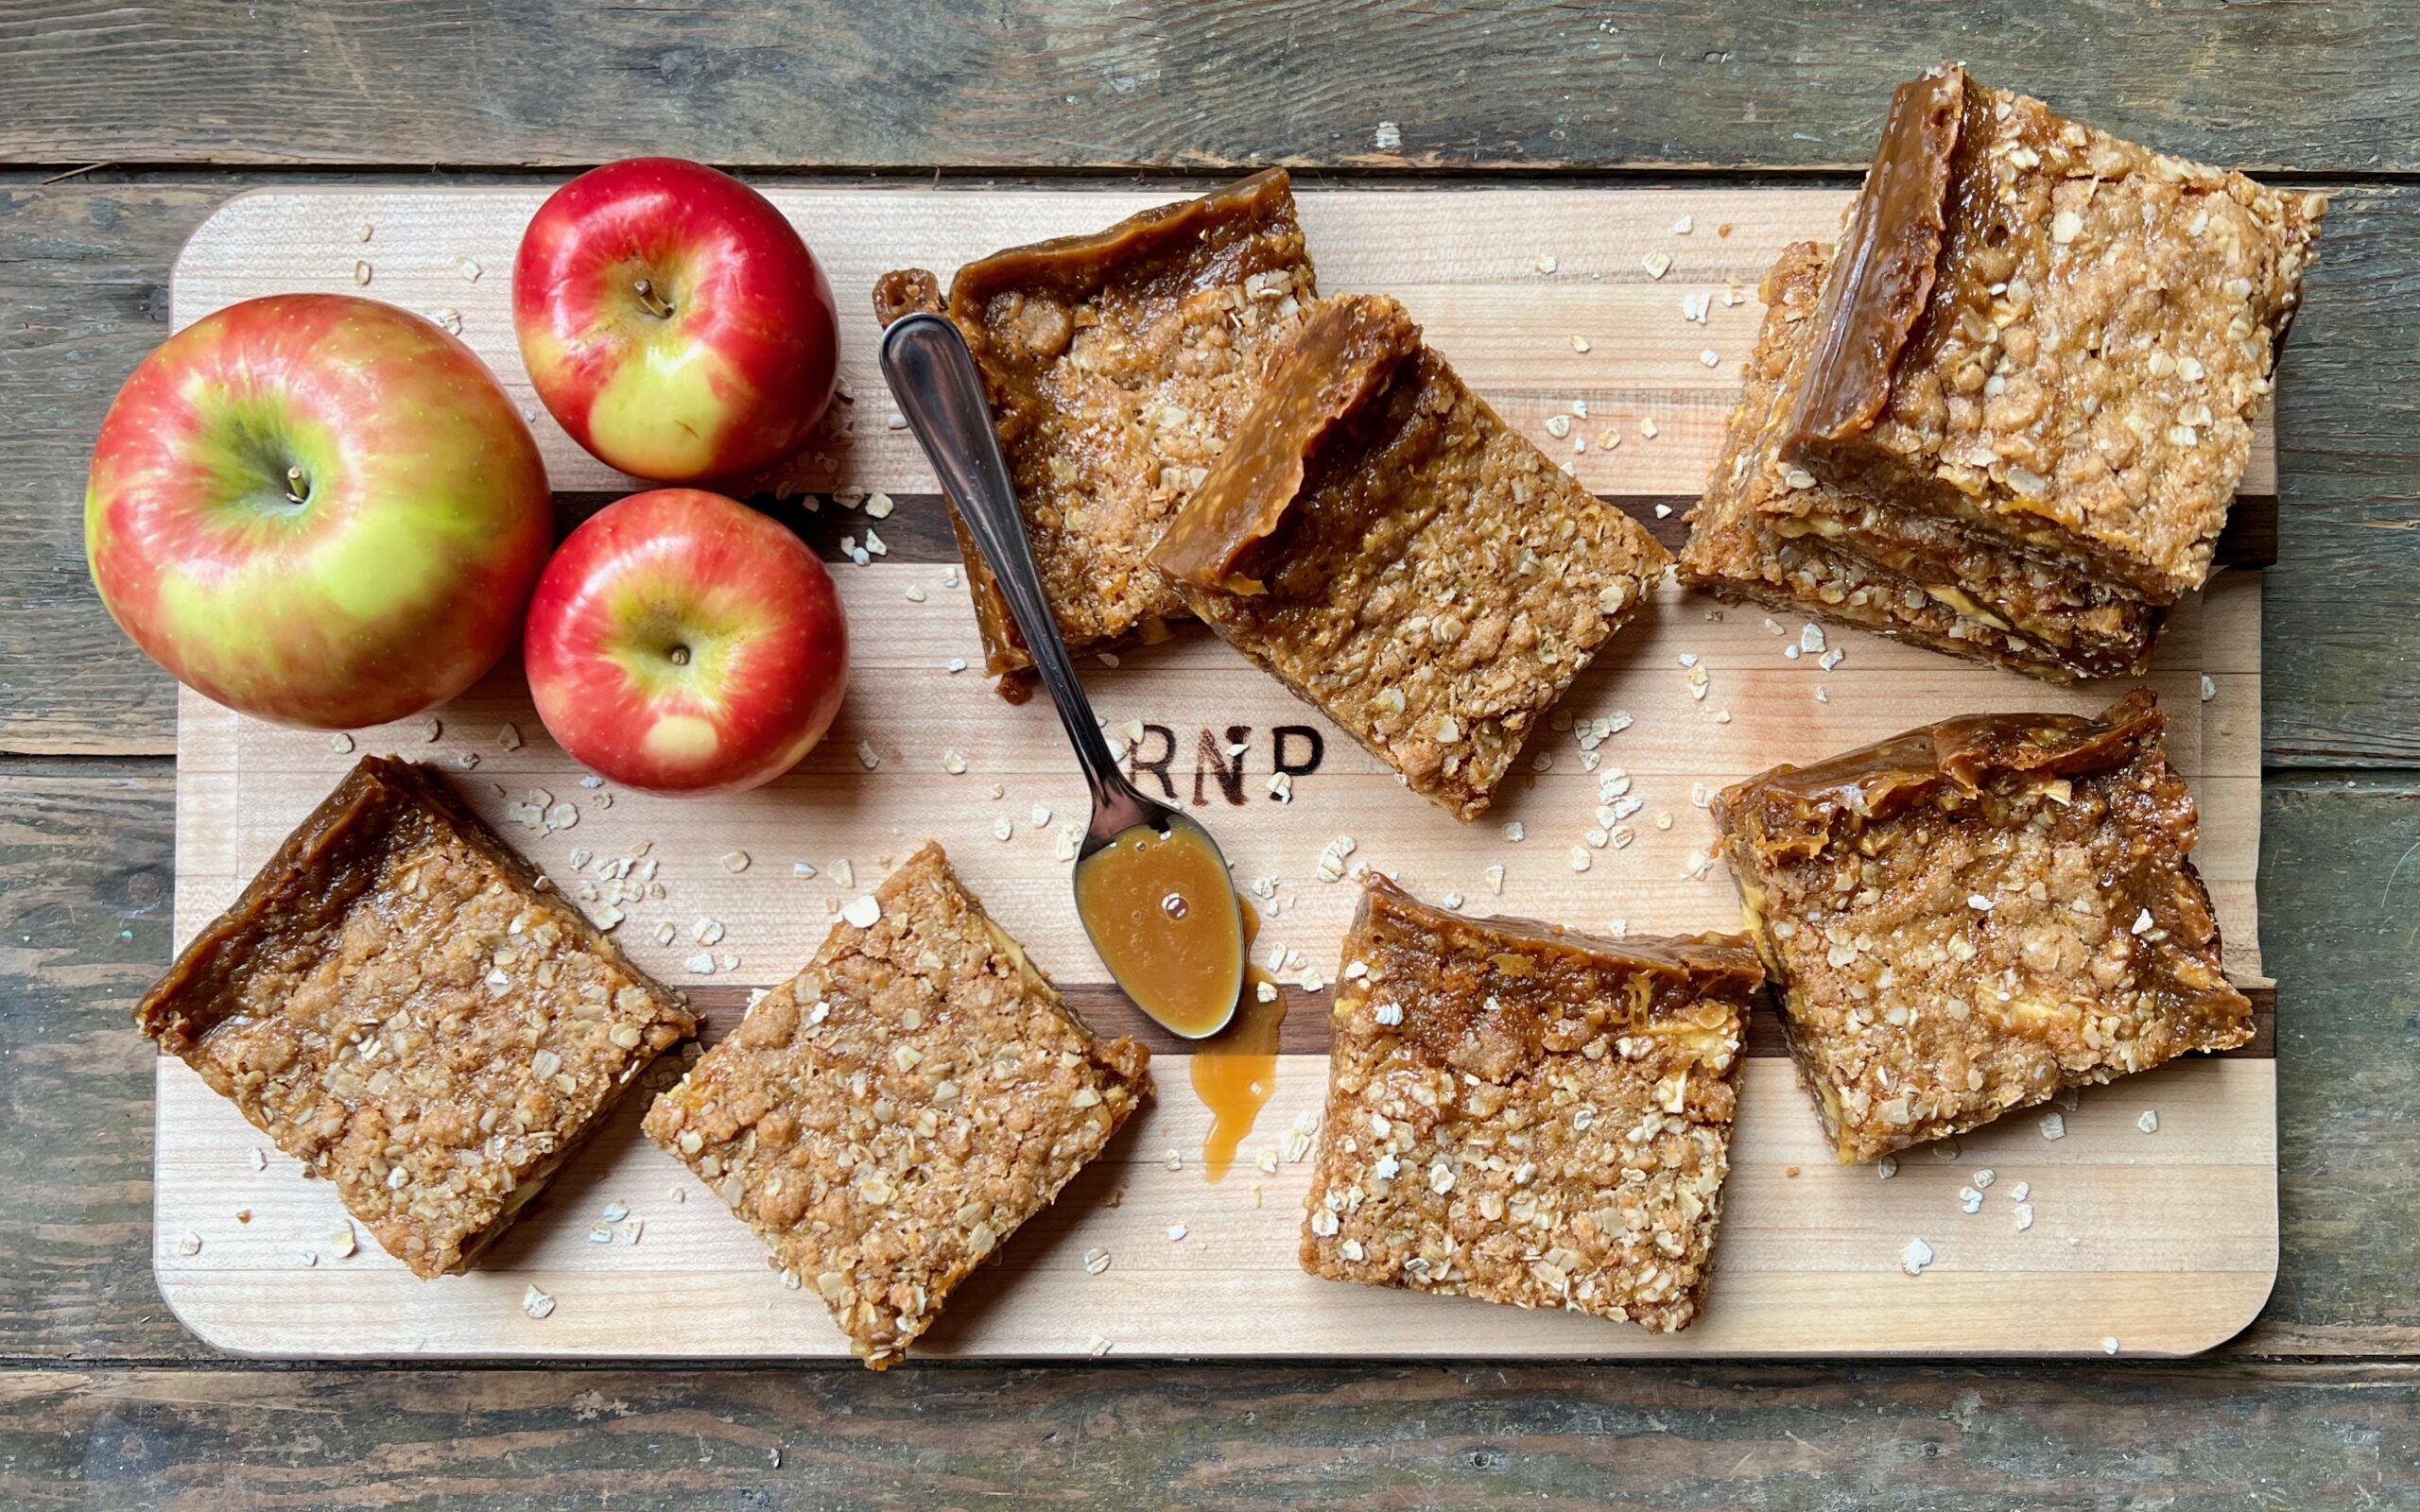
<point x="932" y="377"/>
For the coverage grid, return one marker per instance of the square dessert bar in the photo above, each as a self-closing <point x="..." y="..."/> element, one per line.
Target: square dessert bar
<point x="1117" y="365"/>
<point x="1768" y="532"/>
<point x="401" y="1004"/>
<point x="1396" y="555"/>
<point x="887" y="1118"/>
<point x="2051" y="336"/>
<point x="1526" y="1115"/>
<point x="1968" y="918"/>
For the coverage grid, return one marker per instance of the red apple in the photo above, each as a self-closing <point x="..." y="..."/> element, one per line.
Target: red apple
<point x="682" y="643"/>
<point x="318" y="509"/>
<point x="673" y="321"/>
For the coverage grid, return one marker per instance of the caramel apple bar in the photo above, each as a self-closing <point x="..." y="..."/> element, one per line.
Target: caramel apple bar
<point x="1971" y="916"/>
<point x="2049" y="335"/>
<point x="1768" y="532"/>
<point x="1528" y="1115"/>
<point x="1117" y="363"/>
<point x="401" y="1004"/>
<point x="887" y="1118"/>
<point x="1378" y="539"/>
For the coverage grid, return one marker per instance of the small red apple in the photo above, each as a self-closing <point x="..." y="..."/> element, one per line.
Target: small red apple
<point x="682" y="643"/>
<point x="318" y="509"/>
<point x="672" y="320"/>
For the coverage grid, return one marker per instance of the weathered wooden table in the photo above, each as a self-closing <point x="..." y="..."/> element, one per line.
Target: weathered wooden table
<point x="120" y="128"/>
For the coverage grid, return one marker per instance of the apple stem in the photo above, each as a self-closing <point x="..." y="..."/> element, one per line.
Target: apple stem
<point x="298" y="485"/>
<point x="654" y="303"/>
<point x="680" y="656"/>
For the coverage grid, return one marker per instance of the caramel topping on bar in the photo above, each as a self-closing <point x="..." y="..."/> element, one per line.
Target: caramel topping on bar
<point x="1886" y="263"/>
<point x="1797" y="811"/>
<point x="1347" y="353"/>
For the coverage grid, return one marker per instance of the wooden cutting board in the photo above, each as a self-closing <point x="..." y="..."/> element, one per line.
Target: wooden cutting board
<point x="2147" y="1243"/>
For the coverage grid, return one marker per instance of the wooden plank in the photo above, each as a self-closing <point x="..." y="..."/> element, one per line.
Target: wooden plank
<point x="1650" y="1437"/>
<point x="91" y="258"/>
<point x="1170" y="84"/>
<point x="1810" y="1262"/>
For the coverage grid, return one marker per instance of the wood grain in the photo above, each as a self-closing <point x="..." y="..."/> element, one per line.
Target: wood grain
<point x="1648" y="1438"/>
<point x="1170" y="84"/>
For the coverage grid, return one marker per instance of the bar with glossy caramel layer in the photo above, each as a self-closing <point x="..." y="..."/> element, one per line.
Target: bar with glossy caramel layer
<point x="2051" y="336"/>
<point x="1968" y="918"/>
<point x="1528" y="1115"/>
<point x="1117" y="363"/>
<point x="1768" y="532"/>
<point x="401" y="1002"/>
<point x="1386" y="546"/>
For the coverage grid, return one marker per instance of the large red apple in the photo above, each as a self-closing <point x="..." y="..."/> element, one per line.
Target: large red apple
<point x="318" y="509"/>
<point x="682" y="643"/>
<point x="673" y="321"/>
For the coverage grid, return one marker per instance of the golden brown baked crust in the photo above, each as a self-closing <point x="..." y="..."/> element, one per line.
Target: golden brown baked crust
<point x="887" y="1118"/>
<point x="2051" y="334"/>
<point x="1117" y="365"/>
<point x="1386" y="547"/>
<point x="1768" y="532"/>
<point x="1523" y="1115"/>
<point x="1967" y="918"/>
<point x="400" y="1002"/>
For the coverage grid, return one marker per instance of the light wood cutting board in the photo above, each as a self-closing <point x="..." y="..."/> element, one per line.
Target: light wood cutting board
<point x="2147" y="1242"/>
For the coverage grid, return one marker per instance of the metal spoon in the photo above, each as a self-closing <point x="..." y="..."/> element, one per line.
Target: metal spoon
<point x="933" y="378"/>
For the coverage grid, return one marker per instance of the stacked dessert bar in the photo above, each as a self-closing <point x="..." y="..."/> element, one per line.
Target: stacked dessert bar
<point x="2006" y="415"/>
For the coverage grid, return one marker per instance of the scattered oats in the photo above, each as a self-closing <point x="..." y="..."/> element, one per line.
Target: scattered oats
<point x="879" y="507"/>
<point x="1684" y="225"/>
<point x="1265" y="991"/>
<point x="1513" y="832"/>
<point x="1495" y="879"/>
<point x="189" y="1244"/>
<point x="1579" y="858"/>
<point x="1617" y="928"/>
<point x="1647" y="426"/>
<point x="1107" y="659"/>
<point x="1546" y="263"/>
<point x="2024" y="1216"/>
<point x="1710" y="358"/>
<point x="1578" y="342"/>
<point x="2209" y="688"/>
<point x="1174" y="1158"/>
<point x="1558" y="426"/>
<point x="1389" y="137"/>
<point x="843" y="873"/>
<point x="592" y="780"/>
<point x="801" y="868"/>
<point x="1811" y="638"/>
<point x="956" y="664"/>
<point x="2054" y="1126"/>
<point x="1792" y="652"/>
<point x="1314" y="982"/>
<point x="894" y="421"/>
<point x="600" y="1235"/>
<point x="1096" y="1260"/>
<point x="953" y="763"/>
<point x="1658" y="263"/>
<point x="707" y="932"/>
<point x="664" y="932"/>
<point x="1452" y="899"/>
<point x="361" y="271"/>
<point x="469" y="267"/>
<point x="1541" y="762"/>
<point x="1822" y="694"/>
<point x="2109" y="1344"/>
<point x="915" y="592"/>
<point x="1176" y="1233"/>
<point x="362" y="233"/>
<point x="1663" y="819"/>
<point x="1985" y="1177"/>
<point x="1915" y="1256"/>
<point x="867" y="756"/>
<point x="2148" y="1123"/>
<point x="862" y="911"/>
<point x="875" y="545"/>
<point x="1099" y="1346"/>
<point x="1831" y="659"/>
<point x="1003" y="828"/>
<point x="431" y="728"/>
<point x="537" y="1303"/>
<point x="1970" y="1199"/>
<point x="1887" y="1167"/>
<point x="1701" y="796"/>
<point x="1065" y="847"/>
<point x="1281" y="787"/>
<point x="341" y="743"/>
<point x="734" y="861"/>
<point x="701" y="963"/>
